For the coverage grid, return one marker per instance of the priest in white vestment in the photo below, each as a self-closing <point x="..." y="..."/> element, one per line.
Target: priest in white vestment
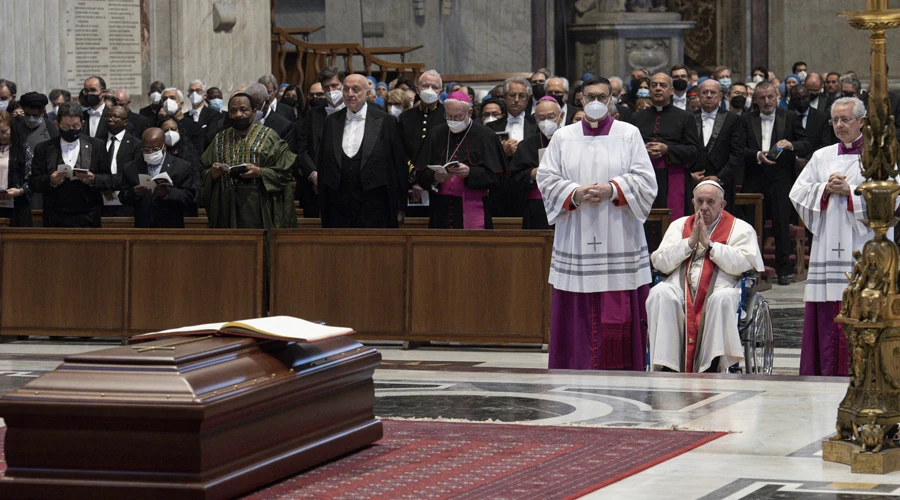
<point x="823" y="196"/>
<point x="598" y="185"/>
<point x="693" y="322"/>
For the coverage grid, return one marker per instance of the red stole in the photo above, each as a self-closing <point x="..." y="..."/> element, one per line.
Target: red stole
<point x="694" y="312"/>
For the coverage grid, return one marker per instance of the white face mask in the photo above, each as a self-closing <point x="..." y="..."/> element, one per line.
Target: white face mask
<point x="747" y="104"/>
<point x="395" y="110"/>
<point x="258" y="116"/>
<point x="335" y="98"/>
<point x="155" y="97"/>
<point x="548" y="127"/>
<point x="172" y="138"/>
<point x="154" y="158"/>
<point x="757" y="78"/>
<point x="457" y="127"/>
<point x="489" y="119"/>
<point x="802" y="76"/>
<point x="4" y="105"/>
<point x="614" y="100"/>
<point x="171" y="106"/>
<point x="196" y="98"/>
<point x="428" y="96"/>
<point x="55" y="110"/>
<point x="595" y="110"/>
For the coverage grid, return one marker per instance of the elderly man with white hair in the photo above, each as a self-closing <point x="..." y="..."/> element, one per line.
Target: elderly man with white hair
<point x="459" y="162"/>
<point x="524" y="165"/>
<point x="824" y="197"/>
<point x="692" y="315"/>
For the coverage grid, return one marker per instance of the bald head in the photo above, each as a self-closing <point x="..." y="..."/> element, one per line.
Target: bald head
<point x="355" y="89"/>
<point x="123" y="98"/>
<point x="710" y="95"/>
<point x="661" y="89"/>
<point x="814" y="83"/>
<point x="153" y="138"/>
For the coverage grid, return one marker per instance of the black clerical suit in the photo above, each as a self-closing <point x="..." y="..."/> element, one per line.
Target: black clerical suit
<point x="153" y="211"/>
<point x="72" y="203"/>
<point x="151" y="113"/>
<point x="723" y="155"/>
<point x="677" y="129"/>
<point x="506" y="199"/>
<point x="415" y="123"/>
<point x="480" y="150"/>
<point x="307" y="139"/>
<point x="523" y="163"/>
<point x="129" y="151"/>
<point x="368" y="189"/>
<point x="775" y="181"/>
<point x="100" y="132"/>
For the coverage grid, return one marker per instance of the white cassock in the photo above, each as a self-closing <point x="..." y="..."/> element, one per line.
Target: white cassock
<point x="598" y="247"/>
<point x="836" y="225"/>
<point x="666" y="305"/>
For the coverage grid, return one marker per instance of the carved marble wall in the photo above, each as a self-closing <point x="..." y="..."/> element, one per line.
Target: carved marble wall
<point x="701" y="41"/>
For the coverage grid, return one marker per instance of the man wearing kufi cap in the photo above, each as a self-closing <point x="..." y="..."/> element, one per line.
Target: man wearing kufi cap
<point x="37" y="127"/>
<point x="692" y="315"/>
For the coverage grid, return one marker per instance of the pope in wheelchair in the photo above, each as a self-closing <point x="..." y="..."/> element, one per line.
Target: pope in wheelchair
<point x="693" y="314"/>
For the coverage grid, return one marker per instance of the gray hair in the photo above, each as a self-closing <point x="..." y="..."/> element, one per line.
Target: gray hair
<point x="433" y="73"/>
<point x="520" y="81"/>
<point x="258" y="94"/>
<point x="202" y="85"/>
<point x="616" y="79"/>
<point x="612" y="110"/>
<point x="468" y="104"/>
<point x="71" y="109"/>
<point x="859" y="109"/>
<point x="560" y="78"/>
<point x="542" y="101"/>
<point x="177" y="92"/>
<point x="852" y="79"/>
<point x="268" y="80"/>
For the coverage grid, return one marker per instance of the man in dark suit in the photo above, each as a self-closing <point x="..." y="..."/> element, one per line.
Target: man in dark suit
<point x="814" y="121"/>
<point x="308" y="138"/>
<point x="137" y="123"/>
<point x="172" y="103"/>
<point x="285" y="111"/>
<point x="121" y="148"/>
<point x="95" y="113"/>
<point x="775" y="137"/>
<point x="201" y="113"/>
<point x="265" y="116"/>
<point x="151" y="111"/>
<point x="722" y="137"/>
<point x="75" y="201"/>
<point x="415" y="123"/>
<point x="163" y="206"/>
<point x="362" y="174"/>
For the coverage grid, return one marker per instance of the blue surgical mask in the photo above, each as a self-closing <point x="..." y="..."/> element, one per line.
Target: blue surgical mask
<point x="643" y="93"/>
<point x="725" y="83"/>
<point x="216" y="104"/>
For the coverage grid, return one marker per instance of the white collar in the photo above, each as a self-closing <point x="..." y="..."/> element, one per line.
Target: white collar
<point x="766" y="117"/>
<point x="850" y="145"/>
<point x="66" y="144"/>
<point x="710" y="114"/>
<point x="682" y="97"/>
<point x="98" y="111"/>
<point x="118" y="136"/>
<point x="516" y="118"/>
<point x="361" y="114"/>
<point x="659" y="108"/>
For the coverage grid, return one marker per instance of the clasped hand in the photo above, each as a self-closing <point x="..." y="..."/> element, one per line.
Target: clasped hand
<point x="837" y="184"/>
<point x="593" y="193"/>
<point x="699" y="237"/>
<point x="461" y="171"/>
<point x="656" y="149"/>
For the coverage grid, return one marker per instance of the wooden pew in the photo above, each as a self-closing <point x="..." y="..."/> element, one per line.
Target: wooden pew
<point x="754" y="200"/>
<point x="416" y="285"/>
<point x="121" y="282"/>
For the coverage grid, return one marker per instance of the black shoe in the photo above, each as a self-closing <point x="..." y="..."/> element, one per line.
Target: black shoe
<point x="787" y="279"/>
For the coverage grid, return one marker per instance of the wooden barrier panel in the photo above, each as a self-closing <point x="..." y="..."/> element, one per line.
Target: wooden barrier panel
<point x="409" y="284"/>
<point x="121" y="282"/>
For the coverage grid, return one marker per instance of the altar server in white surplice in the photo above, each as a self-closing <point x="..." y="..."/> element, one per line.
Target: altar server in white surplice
<point x="598" y="185"/>
<point x="823" y="196"/>
<point x="693" y="313"/>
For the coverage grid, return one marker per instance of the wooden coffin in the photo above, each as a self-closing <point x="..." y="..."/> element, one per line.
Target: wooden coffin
<point x="187" y="417"/>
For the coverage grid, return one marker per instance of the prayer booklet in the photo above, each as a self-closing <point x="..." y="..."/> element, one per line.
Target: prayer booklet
<point x="6" y="202"/>
<point x="443" y="168"/>
<point x="151" y="182"/>
<point x="62" y="167"/>
<point x="236" y="170"/>
<point x="76" y="170"/>
<point x="274" y="327"/>
<point x="111" y="199"/>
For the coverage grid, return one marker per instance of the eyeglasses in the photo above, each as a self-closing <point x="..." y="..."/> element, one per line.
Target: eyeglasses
<point x="314" y="95"/>
<point x="517" y="96"/>
<point x="842" y="120"/>
<point x="586" y="98"/>
<point x="68" y="129"/>
<point x="150" y="150"/>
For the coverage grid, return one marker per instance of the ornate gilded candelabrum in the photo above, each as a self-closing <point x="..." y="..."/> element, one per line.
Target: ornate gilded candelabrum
<point x="868" y="416"/>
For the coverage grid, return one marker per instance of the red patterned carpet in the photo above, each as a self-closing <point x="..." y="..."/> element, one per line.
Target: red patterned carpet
<point x="446" y="460"/>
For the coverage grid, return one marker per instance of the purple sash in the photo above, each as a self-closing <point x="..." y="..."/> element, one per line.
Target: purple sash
<point x="675" y="195"/>
<point x="472" y="201"/>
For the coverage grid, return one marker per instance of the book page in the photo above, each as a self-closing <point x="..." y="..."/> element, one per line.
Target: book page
<point x="163" y="178"/>
<point x="185" y="330"/>
<point x="62" y="167"/>
<point x="288" y="328"/>
<point x="438" y="168"/>
<point x="146" y="181"/>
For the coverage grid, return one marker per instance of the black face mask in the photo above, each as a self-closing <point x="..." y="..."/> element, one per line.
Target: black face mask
<point x="289" y="101"/>
<point x="800" y="106"/>
<point x="318" y="102"/>
<point x="240" y="124"/>
<point x="70" y="135"/>
<point x="680" y="85"/>
<point x="738" y="101"/>
<point x="537" y="90"/>
<point x="847" y="93"/>
<point x="561" y="100"/>
<point x="92" y="99"/>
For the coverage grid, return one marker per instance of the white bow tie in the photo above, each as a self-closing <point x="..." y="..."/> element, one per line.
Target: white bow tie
<point x="682" y="98"/>
<point x="767" y="118"/>
<point x="354" y="117"/>
<point x="709" y="116"/>
<point x="513" y="120"/>
<point x="94" y="112"/>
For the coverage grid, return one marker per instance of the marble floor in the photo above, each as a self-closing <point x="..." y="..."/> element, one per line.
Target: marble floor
<point x="775" y="423"/>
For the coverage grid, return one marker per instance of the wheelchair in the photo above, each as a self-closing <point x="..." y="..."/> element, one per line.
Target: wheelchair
<point x="754" y="327"/>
